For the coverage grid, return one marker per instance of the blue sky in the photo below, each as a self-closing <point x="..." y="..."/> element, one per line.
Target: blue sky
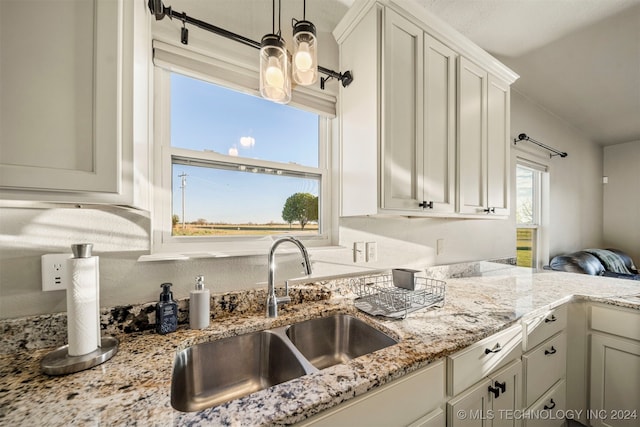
<point x="209" y="117"/>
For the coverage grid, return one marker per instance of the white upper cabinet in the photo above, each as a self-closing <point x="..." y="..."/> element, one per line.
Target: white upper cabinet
<point x="402" y="97"/>
<point x="407" y="111"/>
<point x="472" y="137"/>
<point x="74" y="109"/>
<point x="483" y="141"/>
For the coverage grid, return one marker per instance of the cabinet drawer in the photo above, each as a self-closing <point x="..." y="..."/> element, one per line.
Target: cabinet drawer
<point x="475" y="362"/>
<point x="398" y="403"/>
<point x="544" y="366"/>
<point x="549" y="410"/>
<point x="544" y="327"/>
<point x="615" y="321"/>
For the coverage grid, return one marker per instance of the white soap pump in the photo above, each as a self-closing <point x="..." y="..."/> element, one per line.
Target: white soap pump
<point x="199" y="305"/>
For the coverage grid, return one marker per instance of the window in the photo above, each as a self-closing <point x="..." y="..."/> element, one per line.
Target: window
<point x="531" y="179"/>
<point x="236" y="169"/>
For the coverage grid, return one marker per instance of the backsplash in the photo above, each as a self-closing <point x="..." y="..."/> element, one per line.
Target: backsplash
<point x="43" y="331"/>
<point x="35" y="332"/>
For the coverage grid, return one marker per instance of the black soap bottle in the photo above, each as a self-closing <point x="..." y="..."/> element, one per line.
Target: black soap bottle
<point x="166" y="311"/>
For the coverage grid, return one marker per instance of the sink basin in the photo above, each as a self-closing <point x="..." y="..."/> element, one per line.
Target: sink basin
<point x="212" y="373"/>
<point x="337" y="339"/>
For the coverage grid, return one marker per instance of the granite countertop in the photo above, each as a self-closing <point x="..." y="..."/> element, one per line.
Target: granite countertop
<point x="134" y="386"/>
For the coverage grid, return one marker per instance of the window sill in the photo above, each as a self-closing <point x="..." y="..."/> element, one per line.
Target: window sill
<point x="326" y="261"/>
<point x="184" y="256"/>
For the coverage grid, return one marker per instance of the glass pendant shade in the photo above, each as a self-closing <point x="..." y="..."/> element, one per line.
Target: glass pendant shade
<point x="275" y="82"/>
<point x="305" y="53"/>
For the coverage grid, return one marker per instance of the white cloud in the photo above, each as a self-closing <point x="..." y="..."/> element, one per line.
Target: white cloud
<point x="233" y="151"/>
<point x="247" y="141"/>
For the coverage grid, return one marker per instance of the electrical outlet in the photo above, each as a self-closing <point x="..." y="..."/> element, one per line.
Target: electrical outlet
<point x="358" y="252"/>
<point x="54" y="271"/>
<point x="372" y="251"/>
<point x="439" y="246"/>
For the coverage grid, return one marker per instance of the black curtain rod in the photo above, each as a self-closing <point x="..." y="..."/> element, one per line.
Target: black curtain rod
<point x="159" y="10"/>
<point x="524" y="137"/>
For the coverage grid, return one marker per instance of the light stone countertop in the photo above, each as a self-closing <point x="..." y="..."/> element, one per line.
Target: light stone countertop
<point x="134" y="386"/>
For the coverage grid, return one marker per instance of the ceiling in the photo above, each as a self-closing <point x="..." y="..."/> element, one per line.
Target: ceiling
<point x="578" y="59"/>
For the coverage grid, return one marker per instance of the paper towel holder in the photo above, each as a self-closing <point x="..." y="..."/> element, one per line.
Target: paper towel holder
<point x="58" y="362"/>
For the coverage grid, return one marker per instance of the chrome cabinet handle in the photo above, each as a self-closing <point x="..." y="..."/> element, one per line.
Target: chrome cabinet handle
<point x="495" y="349"/>
<point x="549" y="352"/>
<point x="550" y="319"/>
<point x="553" y="405"/>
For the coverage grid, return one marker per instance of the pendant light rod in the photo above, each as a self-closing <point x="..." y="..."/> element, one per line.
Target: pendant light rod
<point x="159" y="10"/>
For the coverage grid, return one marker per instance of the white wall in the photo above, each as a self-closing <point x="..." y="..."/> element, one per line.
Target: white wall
<point x="575" y="201"/>
<point x="622" y="198"/>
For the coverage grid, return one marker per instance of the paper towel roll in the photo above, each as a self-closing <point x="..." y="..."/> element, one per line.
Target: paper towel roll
<point x="83" y="313"/>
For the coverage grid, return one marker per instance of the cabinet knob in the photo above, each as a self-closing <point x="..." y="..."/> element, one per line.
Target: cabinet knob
<point x="495" y="391"/>
<point x="550" y="319"/>
<point x="495" y="349"/>
<point x="552" y="405"/>
<point x="552" y="351"/>
<point x="490" y="210"/>
<point x="502" y="386"/>
<point x="426" y="205"/>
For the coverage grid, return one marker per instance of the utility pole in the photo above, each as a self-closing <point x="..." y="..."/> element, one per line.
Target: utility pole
<point x="182" y="186"/>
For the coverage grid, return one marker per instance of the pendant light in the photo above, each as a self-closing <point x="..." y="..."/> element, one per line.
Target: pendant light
<point x="275" y="80"/>
<point x="305" y="51"/>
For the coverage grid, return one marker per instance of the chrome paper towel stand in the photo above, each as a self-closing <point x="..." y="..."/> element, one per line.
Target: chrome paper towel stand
<point x="58" y="361"/>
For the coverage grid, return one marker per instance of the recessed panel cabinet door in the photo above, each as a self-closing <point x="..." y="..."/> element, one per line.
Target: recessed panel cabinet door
<point x="498" y="125"/>
<point x="439" y="125"/>
<point x="402" y="112"/>
<point x="59" y="105"/>
<point x="472" y="137"/>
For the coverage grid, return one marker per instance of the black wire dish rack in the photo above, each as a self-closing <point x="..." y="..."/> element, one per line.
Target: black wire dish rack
<point x="379" y="296"/>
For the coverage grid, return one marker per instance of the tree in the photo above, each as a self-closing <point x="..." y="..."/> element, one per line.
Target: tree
<point x="175" y="219"/>
<point x="301" y="207"/>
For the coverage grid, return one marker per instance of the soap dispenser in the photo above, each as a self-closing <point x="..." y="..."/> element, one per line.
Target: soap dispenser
<point x="166" y="311"/>
<point x="199" y="305"/>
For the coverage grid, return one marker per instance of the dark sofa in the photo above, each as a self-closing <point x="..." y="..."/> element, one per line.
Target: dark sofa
<point x="597" y="262"/>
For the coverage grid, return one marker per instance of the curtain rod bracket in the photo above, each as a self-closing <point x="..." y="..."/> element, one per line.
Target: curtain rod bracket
<point x="554" y="152"/>
<point x="159" y="11"/>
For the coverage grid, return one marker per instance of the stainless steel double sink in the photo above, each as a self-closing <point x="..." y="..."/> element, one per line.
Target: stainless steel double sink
<point x="212" y="373"/>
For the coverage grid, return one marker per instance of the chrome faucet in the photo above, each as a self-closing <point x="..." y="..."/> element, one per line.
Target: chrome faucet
<point x="272" y="299"/>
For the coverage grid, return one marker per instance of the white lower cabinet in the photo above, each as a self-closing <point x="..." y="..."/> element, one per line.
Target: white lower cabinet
<point x="615" y="367"/>
<point x="491" y="402"/>
<point x="549" y="410"/>
<point x="415" y="399"/>
<point x="544" y="366"/>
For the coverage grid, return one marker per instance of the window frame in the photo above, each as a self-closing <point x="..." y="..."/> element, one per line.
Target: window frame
<point x="540" y="207"/>
<point x="162" y="239"/>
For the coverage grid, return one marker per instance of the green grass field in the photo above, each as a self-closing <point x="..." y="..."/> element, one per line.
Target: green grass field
<point x="524" y="245"/>
<point x="241" y="229"/>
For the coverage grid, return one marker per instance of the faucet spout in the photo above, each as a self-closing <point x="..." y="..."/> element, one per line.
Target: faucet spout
<point x="272" y="300"/>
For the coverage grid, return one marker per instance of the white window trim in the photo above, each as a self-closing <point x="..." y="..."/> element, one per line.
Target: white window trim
<point x="195" y="65"/>
<point x="541" y="212"/>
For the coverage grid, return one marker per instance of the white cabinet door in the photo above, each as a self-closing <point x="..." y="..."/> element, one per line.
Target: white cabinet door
<point x="490" y="403"/>
<point x="471" y="408"/>
<point x="472" y="137"/>
<point x="359" y="118"/>
<point x="509" y="382"/>
<point x="68" y="84"/>
<point x="414" y="398"/>
<point x="439" y="125"/>
<point x="402" y="113"/>
<point x="498" y="125"/>
<point x="615" y="381"/>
